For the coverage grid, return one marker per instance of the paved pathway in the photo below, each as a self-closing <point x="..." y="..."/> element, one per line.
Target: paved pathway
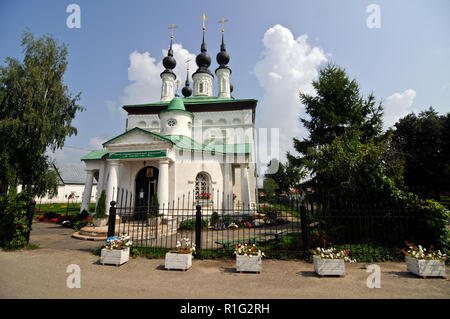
<point x="41" y="273"/>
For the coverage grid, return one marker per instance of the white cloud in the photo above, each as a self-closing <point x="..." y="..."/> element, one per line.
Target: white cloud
<point x="288" y="65"/>
<point x="96" y="142"/>
<point x="145" y="72"/>
<point x="68" y="156"/>
<point x="397" y="105"/>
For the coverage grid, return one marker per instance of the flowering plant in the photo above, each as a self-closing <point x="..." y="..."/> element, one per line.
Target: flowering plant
<point x="184" y="247"/>
<point x="118" y="243"/>
<point x="332" y="253"/>
<point x="233" y="225"/>
<point x="248" y="250"/>
<point x="234" y="196"/>
<point x="204" y="196"/>
<point x="419" y="252"/>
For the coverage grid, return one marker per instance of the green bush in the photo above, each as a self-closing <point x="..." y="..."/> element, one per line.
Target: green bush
<point x="214" y="218"/>
<point x="154" y="207"/>
<point x="189" y="224"/>
<point x="13" y="220"/>
<point x="100" y="210"/>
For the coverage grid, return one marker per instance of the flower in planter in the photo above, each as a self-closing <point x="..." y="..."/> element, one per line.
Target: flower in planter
<point x="248" y="250"/>
<point x="332" y="253"/>
<point x="184" y="248"/>
<point x="118" y="243"/>
<point x="419" y="252"/>
<point x="234" y="196"/>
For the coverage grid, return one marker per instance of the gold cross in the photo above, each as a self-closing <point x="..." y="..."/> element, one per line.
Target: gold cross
<point x="223" y="22"/>
<point x="172" y="27"/>
<point x="187" y="62"/>
<point x="204" y="18"/>
<point x="178" y="83"/>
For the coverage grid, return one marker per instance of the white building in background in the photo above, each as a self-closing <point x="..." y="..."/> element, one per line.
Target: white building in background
<point x="181" y="148"/>
<point x="71" y="183"/>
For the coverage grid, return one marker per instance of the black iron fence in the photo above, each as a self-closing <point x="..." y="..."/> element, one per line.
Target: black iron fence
<point x="288" y="224"/>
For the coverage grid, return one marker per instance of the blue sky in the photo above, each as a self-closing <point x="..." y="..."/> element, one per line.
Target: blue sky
<point x="405" y="62"/>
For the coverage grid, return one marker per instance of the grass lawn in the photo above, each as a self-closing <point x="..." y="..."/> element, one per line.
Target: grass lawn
<point x="60" y="208"/>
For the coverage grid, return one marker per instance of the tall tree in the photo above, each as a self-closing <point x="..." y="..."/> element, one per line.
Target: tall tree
<point x="287" y="177"/>
<point x="36" y="112"/>
<point x="424" y="142"/>
<point x="336" y="107"/>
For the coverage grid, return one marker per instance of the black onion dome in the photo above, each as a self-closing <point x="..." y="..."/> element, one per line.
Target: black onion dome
<point x="169" y="61"/>
<point x="203" y="60"/>
<point x="223" y="57"/>
<point x="186" y="91"/>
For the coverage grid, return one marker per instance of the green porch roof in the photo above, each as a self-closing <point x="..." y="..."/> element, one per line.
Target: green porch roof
<point x="95" y="155"/>
<point x="180" y="142"/>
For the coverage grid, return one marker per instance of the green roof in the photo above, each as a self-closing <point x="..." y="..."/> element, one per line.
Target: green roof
<point x="95" y="155"/>
<point x="176" y="104"/>
<point x="139" y="130"/>
<point x="194" y="100"/>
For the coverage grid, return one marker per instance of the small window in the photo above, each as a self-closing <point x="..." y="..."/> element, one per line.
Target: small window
<point x="202" y="186"/>
<point x="201" y="88"/>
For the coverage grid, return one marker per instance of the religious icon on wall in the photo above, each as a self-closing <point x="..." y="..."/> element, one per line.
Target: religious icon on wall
<point x="149" y="172"/>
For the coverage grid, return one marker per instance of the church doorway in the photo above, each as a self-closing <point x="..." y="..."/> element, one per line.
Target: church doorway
<point x="146" y="187"/>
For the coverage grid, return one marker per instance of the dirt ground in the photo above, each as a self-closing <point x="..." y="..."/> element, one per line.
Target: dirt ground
<point x="41" y="273"/>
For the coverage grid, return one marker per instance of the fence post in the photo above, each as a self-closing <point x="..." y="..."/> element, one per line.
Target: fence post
<point x="30" y="213"/>
<point x="304" y="224"/>
<point x="198" y="227"/>
<point x="112" y="219"/>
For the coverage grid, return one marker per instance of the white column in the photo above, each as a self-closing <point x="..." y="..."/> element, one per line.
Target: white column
<point x="163" y="183"/>
<point x="113" y="182"/>
<point x="87" y="190"/>
<point x="245" y="187"/>
<point x="228" y="187"/>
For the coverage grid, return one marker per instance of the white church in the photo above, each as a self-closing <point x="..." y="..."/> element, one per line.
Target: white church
<point x="199" y="144"/>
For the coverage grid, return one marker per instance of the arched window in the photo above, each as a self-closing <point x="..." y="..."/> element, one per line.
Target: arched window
<point x="202" y="186"/>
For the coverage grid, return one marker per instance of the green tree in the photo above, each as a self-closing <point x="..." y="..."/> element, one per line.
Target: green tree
<point x="287" y="177"/>
<point x="336" y="107"/>
<point x="269" y="186"/>
<point x="36" y="112"/>
<point x="100" y="210"/>
<point x="351" y="168"/>
<point x="424" y="143"/>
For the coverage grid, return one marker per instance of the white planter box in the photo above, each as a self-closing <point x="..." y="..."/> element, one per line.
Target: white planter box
<point x="328" y="267"/>
<point x="99" y="222"/>
<point x="248" y="263"/>
<point x="425" y="268"/>
<point x="178" y="261"/>
<point x="114" y="257"/>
